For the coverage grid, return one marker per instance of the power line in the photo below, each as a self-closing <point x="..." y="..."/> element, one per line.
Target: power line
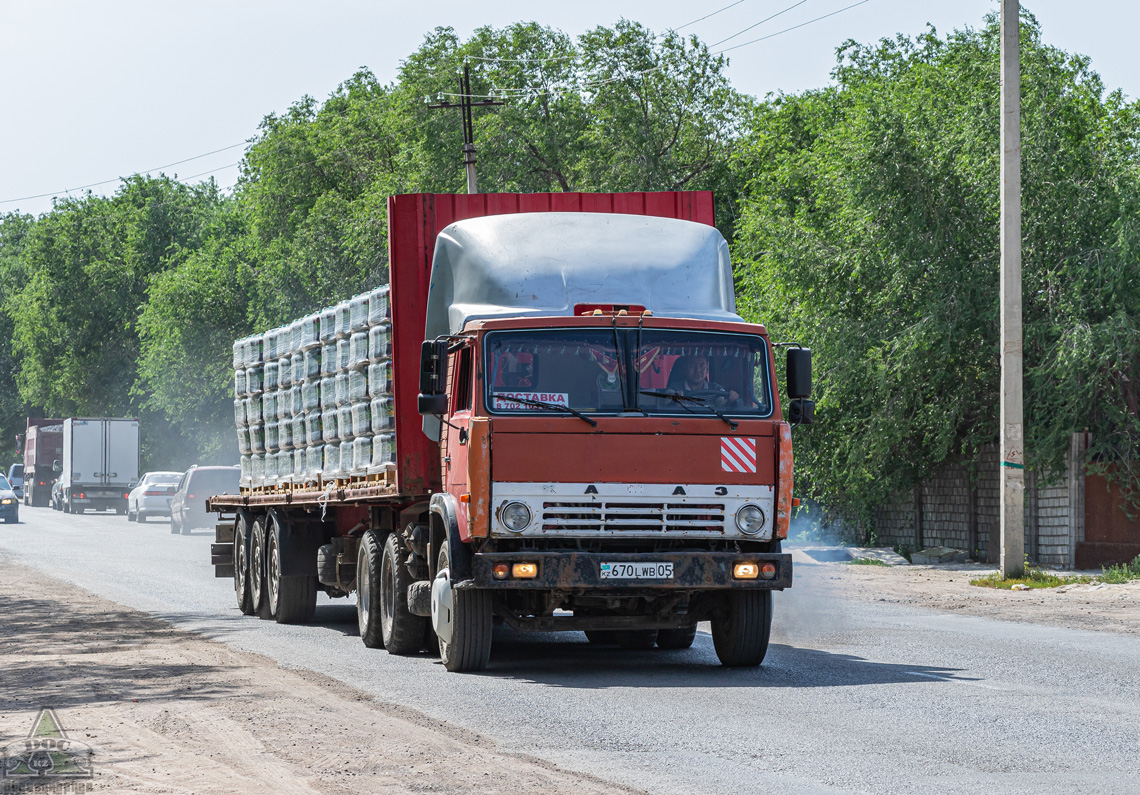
<point x="706" y="16"/>
<point x="118" y="179"/>
<point x="794" y="27"/>
<point x="758" y="24"/>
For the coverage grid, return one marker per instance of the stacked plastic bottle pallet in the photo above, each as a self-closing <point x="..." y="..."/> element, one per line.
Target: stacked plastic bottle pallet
<point x="313" y="399"/>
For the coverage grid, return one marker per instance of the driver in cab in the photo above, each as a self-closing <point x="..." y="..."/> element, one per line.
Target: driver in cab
<point x="695" y="382"/>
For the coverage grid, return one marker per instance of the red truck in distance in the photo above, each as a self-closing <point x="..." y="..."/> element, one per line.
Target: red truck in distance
<point x="43" y="446"/>
<point x="571" y="429"/>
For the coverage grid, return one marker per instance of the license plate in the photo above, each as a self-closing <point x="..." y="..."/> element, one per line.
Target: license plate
<point x="637" y="571"/>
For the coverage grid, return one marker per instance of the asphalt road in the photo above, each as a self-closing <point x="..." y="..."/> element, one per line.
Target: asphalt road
<point x="853" y="697"/>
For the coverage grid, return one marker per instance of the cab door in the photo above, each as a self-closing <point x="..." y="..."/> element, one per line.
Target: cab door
<point x="454" y="436"/>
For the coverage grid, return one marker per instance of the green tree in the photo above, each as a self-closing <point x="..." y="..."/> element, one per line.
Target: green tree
<point x="870" y="234"/>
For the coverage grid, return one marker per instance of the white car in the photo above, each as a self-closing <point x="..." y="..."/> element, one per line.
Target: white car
<point x="151" y="497"/>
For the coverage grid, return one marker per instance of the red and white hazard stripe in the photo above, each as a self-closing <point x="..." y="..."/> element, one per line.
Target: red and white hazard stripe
<point x="737" y="454"/>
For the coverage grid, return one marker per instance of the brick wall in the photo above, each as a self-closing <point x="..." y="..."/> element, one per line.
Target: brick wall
<point x="959" y="508"/>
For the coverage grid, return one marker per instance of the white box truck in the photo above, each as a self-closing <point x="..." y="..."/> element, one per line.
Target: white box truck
<point x="100" y="463"/>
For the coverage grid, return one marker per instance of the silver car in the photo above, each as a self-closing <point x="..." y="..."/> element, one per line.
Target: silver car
<point x="151" y="497"/>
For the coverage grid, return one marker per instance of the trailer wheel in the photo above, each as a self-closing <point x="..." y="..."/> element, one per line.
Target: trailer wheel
<point x="677" y="638"/>
<point x="462" y="620"/>
<point x="368" y="578"/>
<point x="403" y="633"/>
<point x="292" y="600"/>
<point x="741" y="635"/>
<point x="258" y="592"/>
<point x="241" y="566"/>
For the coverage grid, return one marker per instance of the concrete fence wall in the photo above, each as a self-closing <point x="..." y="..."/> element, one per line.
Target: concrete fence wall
<point x="954" y="509"/>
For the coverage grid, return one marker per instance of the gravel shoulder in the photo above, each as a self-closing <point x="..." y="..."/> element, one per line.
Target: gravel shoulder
<point x="167" y="711"/>
<point x="1098" y="607"/>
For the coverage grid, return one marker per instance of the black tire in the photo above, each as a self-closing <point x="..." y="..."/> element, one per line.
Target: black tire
<point x="131" y="517"/>
<point x="637" y="639"/>
<point x="173" y="525"/>
<point x="741" y="635"/>
<point x="258" y="591"/>
<point x="368" y="612"/>
<point x="184" y="528"/>
<point x="120" y="510"/>
<point x="293" y="599"/>
<point x="470" y="645"/>
<point x="677" y="638"/>
<point x="403" y="633"/>
<point x="241" y="566"/>
<point x="140" y="518"/>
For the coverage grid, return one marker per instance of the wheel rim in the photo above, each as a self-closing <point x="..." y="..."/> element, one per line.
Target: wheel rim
<point x="363" y="587"/>
<point x="255" y="568"/>
<point x="241" y="570"/>
<point x="273" y="572"/>
<point x="387" y="594"/>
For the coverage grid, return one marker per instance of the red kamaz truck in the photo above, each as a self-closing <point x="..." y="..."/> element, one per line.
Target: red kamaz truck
<point x="584" y="435"/>
<point x="43" y="446"/>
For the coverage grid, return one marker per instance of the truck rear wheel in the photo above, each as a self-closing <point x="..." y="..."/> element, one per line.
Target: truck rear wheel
<point x="677" y="638"/>
<point x="258" y="592"/>
<point x="462" y="620"/>
<point x="292" y="600"/>
<point x="368" y="561"/>
<point x="403" y="633"/>
<point x="741" y="635"/>
<point x="241" y="566"/>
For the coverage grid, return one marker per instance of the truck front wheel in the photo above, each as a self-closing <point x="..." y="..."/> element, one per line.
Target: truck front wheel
<point x="462" y="620"/>
<point x="740" y="636"/>
<point x="403" y="633"/>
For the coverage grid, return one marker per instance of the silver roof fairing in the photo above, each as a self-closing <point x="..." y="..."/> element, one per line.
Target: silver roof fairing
<point x="543" y="264"/>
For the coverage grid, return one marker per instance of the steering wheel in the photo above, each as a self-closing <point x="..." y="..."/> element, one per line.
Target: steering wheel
<point x="706" y="394"/>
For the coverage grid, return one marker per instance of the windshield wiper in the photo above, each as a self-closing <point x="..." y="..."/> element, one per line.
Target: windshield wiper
<point x="542" y="404"/>
<point x="680" y="400"/>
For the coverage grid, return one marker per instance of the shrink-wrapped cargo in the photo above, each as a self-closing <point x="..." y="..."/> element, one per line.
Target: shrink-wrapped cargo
<point x="269" y="346"/>
<point x="257" y="439"/>
<point x="284" y="404"/>
<point x="358" y="348"/>
<point x="271" y="468"/>
<point x="312" y="363"/>
<point x="310" y="331"/>
<point x="285" y="466"/>
<point x="314" y="428"/>
<point x="357" y="385"/>
<point x="329" y="425"/>
<point x="244" y="447"/>
<point x="285" y="435"/>
<point x="239" y="354"/>
<point x="380" y="343"/>
<point x="378" y="306"/>
<point x="343" y="319"/>
<point x="328" y="359"/>
<point x="253" y="410"/>
<point x="253" y="380"/>
<point x="284" y="371"/>
<point x="299" y="465"/>
<point x="296" y="405"/>
<point x="358" y="313"/>
<point x="383" y="450"/>
<point x="361" y="418"/>
<point x="380" y="379"/>
<point x="328" y="325"/>
<point x="258" y="470"/>
<point x="246" y="470"/>
<point x="252" y="350"/>
<point x="328" y="392"/>
<point x="239" y="414"/>
<point x="271" y="440"/>
<point x="361" y="454"/>
<point x="346" y="462"/>
<point x="268" y="406"/>
<point x="311" y="395"/>
<point x="383" y="416"/>
<point x="344" y="421"/>
<point x="294" y="338"/>
<point x="297" y="367"/>
<point x="343" y="354"/>
<point x="314" y="460"/>
<point x="269" y="380"/>
<point x="297" y="430"/>
<point x="239" y="384"/>
<point x="331" y="466"/>
<point x="340" y="390"/>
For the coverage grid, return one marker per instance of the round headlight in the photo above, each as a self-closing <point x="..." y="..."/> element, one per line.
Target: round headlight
<point x="515" y="516"/>
<point x="750" y="519"/>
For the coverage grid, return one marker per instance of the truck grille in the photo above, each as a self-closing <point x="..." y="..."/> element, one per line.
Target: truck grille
<point x="658" y="517"/>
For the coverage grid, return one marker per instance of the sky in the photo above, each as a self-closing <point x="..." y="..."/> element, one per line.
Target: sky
<point x="94" y="91"/>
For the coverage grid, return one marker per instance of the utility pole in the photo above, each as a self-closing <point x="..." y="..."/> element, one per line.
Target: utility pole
<point x="1012" y="430"/>
<point x="465" y="105"/>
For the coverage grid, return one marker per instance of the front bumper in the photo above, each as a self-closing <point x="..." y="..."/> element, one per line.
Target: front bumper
<point x="12" y="509"/>
<point x="692" y="571"/>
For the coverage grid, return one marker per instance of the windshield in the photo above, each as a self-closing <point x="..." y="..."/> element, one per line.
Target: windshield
<point x="209" y="482"/>
<point x="4" y="484"/>
<point x="165" y="478"/>
<point x="649" y="371"/>
<point x="17" y="471"/>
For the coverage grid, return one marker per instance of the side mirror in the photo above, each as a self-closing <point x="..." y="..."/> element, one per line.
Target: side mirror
<point x="56" y="467"/>
<point x="799" y="373"/>
<point x="433" y="377"/>
<point x="801" y="412"/>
